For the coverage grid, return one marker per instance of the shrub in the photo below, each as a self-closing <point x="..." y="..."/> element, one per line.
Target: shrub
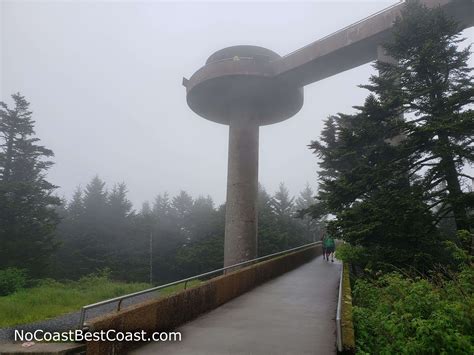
<point x="11" y="280"/>
<point x="351" y="254"/>
<point x="395" y="314"/>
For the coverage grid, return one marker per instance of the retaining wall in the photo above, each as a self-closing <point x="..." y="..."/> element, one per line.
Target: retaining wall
<point x="167" y="313"/>
<point x="347" y="326"/>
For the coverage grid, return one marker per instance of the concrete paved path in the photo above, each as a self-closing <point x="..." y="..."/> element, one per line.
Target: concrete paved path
<point x="292" y="314"/>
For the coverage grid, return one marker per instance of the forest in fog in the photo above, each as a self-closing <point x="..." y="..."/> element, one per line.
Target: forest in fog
<point x="181" y="235"/>
<point x="98" y="231"/>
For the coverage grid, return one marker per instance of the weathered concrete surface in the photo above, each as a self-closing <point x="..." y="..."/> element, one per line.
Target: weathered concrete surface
<point x="173" y="311"/>
<point x="242" y="188"/>
<point x="356" y="44"/>
<point x="236" y="87"/>
<point x="292" y="314"/>
<point x="241" y="78"/>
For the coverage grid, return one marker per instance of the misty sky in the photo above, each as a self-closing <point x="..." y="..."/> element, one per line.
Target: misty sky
<point x="104" y="82"/>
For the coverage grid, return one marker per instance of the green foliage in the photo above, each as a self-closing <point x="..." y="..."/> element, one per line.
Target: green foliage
<point x="351" y="254"/>
<point x="12" y="280"/>
<point x="457" y="254"/>
<point x="395" y="314"/>
<point x="51" y="298"/>
<point x="278" y="229"/>
<point x="432" y="83"/>
<point x="392" y="172"/>
<point x="200" y="257"/>
<point x="27" y="207"/>
<point x="181" y="235"/>
<point x="392" y="177"/>
<point x="97" y="228"/>
<point x="278" y="225"/>
<point x="465" y="238"/>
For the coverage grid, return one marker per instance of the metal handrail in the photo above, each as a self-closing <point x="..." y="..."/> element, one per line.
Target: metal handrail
<point x="399" y="3"/>
<point x="186" y="280"/>
<point x="338" y="313"/>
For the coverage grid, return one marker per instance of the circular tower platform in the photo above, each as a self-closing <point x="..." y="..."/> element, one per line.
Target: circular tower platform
<point x="239" y="81"/>
<point x="237" y="87"/>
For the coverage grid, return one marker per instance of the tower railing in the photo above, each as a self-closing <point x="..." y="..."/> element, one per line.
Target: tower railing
<point x="386" y="9"/>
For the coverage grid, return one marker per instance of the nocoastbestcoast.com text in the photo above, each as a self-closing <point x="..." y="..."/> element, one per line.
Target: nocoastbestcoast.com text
<point x="79" y="335"/>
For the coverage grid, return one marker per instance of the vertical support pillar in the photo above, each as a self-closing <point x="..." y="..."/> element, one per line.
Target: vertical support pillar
<point x="396" y="140"/>
<point x="242" y="187"/>
<point x="382" y="56"/>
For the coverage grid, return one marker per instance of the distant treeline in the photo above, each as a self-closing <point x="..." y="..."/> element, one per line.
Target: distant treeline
<point x="173" y="237"/>
<point x="180" y="235"/>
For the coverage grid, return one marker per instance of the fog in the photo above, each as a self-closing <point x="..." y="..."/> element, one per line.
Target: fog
<point x="104" y="82"/>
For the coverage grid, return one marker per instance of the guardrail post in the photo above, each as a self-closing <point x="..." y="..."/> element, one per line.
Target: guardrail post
<point x="338" y="313"/>
<point x="82" y="318"/>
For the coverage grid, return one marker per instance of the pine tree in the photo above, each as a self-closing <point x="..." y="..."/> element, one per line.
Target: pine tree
<point x="182" y="205"/>
<point x="368" y="193"/>
<point x="270" y="240"/>
<point x="95" y="200"/>
<point x="202" y="218"/>
<point x="146" y="209"/>
<point x="119" y="207"/>
<point x="433" y="85"/>
<point x="385" y="191"/>
<point x="27" y="206"/>
<point x="75" y="208"/>
<point x="281" y="202"/>
<point x="162" y="205"/>
<point x="313" y="228"/>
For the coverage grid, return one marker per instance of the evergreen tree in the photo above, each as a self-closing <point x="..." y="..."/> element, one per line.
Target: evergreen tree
<point x="202" y="218"/>
<point x="433" y="85"/>
<point x="182" y="206"/>
<point x="278" y="229"/>
<point x="146" y="209"/>
<point x="313" y="228"/>
<point x="166" y="229"/>
<point x="119" y="206"/>
<point x="75" y="208"/>
<point x="27" y="206"/>
<point x="84" y="233"/>
<point x="281" y="202"/>
<point x="385" y="191"/>
<point x="305" y="199"/>
<point x="205" y="252"/>
<point x="162" y="205"/>
<point x="368" y="194"/>
<point x="95" y="200"/>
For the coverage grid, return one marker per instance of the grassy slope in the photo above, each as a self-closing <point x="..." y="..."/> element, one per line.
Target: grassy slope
<point x="51" y="298"/>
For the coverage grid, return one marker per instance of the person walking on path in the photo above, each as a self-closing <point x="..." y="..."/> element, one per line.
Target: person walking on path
<point x="329" y="246"/>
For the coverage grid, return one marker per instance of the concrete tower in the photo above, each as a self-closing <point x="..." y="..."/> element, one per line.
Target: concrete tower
<point x="237" y="87"/>
<point x="246" y="87"/>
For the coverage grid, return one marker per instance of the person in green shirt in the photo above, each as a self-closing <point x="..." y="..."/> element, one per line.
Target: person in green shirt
<point x="329" y="247"/>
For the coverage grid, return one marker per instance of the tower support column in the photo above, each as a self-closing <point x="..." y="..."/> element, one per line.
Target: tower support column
<point x="242" y="189"/>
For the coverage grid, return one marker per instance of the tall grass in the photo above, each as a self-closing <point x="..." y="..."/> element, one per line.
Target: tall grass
<point x="52" y="298"/>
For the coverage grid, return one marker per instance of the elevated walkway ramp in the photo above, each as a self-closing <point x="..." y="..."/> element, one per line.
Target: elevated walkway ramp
<point x="291" y="314"/>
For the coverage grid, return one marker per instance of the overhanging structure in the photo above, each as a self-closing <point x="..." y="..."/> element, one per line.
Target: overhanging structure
<point x="246" y="87"/>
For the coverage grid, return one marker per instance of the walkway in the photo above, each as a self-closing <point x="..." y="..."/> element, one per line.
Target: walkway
<point x="292" y="314"/>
